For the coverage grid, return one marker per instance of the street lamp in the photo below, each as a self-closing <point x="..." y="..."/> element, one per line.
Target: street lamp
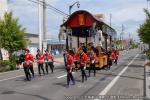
<point x="70" y="7"/>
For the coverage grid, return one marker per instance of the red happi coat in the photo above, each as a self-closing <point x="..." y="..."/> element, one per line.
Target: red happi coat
<point x="84" y="59"/>
<point x="113" y="56"/>
<point x="40" y="59"/>
<point x="50" y="57"/>
<point x="70" y="60"/>
<point x="29" y="59"/>
<point x="117" y="54"/>
<point x="76" y="56"/>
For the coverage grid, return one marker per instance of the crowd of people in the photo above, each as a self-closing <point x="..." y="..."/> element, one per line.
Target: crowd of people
<point x="81" y="58"/>
<point x="27" y="59"/>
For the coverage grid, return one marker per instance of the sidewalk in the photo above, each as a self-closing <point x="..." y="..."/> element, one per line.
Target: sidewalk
<point x="147" y="82"/>
<point x="59" y="61"/>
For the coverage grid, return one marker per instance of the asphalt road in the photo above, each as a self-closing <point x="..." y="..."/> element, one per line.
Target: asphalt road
<point x="122" y="82"/>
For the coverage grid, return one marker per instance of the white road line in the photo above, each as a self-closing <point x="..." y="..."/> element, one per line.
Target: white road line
<point x="24" y="75"/>
<point x="10" y="71"/>
<point x="11" y="78"/>
<point x="111" y="84"/>
<point x="64" y="75"/>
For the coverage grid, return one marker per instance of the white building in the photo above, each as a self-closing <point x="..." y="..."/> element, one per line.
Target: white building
<point x="33" y="42"/>
<point x="3" y="7"/>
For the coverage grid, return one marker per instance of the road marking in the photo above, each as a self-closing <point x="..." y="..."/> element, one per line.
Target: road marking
<point x="111" y="84"/>
<point x="11" y="78"/>
<point x="64" y="75"/>
<point x="24" y="75"/>
<point x="10" y="71"/>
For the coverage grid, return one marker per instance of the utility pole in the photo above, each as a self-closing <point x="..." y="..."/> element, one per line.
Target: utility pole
<point x="110" y="31"/>
<point x="42" y="36"/>
<point x="129" y="35"/>
<point x="40" y="25"/>
<point x="110" y="18"/>
<point x="129" y="40"/>
<point x="44" y="26"/>
<point x="122" y="36"/>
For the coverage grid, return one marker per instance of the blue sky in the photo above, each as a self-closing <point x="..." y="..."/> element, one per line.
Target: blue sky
<point x="127" y="12"/>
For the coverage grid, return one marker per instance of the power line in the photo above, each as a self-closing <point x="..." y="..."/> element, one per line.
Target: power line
<point x="50" y="7"/>
<point x="32" y="5"/>
<point x="55" y="8"/>
<point x="45" y="5"/>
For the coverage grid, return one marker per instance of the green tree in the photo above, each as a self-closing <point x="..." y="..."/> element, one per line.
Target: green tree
<point x="11" y="34"/>
<point x="144" y="30"/>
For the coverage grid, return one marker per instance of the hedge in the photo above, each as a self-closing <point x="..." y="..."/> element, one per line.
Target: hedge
<point x="6" y="65"/>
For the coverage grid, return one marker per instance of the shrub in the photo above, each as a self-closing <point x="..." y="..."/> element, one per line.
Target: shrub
<point x="134" y="46"/>
<point x="4" y="65"/>
<point x="148" y="54"/>
<point x="12" y="64"/>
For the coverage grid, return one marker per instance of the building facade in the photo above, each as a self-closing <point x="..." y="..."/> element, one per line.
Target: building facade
<point x="56" y="46"/>
<point x="33" y="42"/>
<point x="53" y="45"/>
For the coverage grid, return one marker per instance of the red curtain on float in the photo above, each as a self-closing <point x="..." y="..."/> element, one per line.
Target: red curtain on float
<point x="80" y="20"/>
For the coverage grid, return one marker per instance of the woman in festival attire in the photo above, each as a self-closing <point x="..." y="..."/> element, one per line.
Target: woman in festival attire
<point x="28" y="65"/>
<point x="40" y="61"/>
<point x="70" y="67"/>
<point x="49" y="59"/>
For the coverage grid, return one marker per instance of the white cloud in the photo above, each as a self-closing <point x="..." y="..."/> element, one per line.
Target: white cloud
<point x="131" y="13"/>
<point x="128" y="12"/>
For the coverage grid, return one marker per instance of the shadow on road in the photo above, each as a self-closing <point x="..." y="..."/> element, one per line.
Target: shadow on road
<point x="15" y="92"/>
<point x="60" y="84"/>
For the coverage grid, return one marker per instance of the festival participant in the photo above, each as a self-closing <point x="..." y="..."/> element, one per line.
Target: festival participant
<point x="92" y="60"/>
<point x="83" y="63"/>
<point x="110" y="60"/>
<point x="65" y="57"/>
<point x="49" y="59"/>
<point x="113" y="55"/>
<point x="76" y="59"/>
<point x="28" y="63"/>
<point x="21" y="58"/>
<point x="70" y="66"/>
<point x="40" y="61"/>
<point x="117" y="55"/>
